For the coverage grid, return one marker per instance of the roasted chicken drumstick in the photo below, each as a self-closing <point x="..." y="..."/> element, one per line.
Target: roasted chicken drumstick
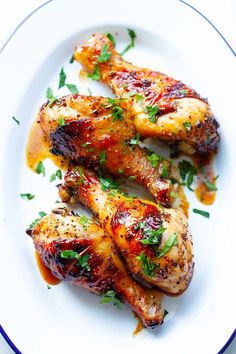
<point x="155" y="242"/>
<point x="163" y="107"/>
<point x="98" y="132"/>
<point x="77" y="250"/>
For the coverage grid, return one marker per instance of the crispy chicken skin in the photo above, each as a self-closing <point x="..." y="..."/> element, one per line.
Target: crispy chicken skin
<point x="120" y="216"/>
<point x="183" y="119"/>
<point x="62" y="230"/>
<point x="91" y="136"/>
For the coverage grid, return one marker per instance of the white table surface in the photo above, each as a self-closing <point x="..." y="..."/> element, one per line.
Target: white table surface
<point x="221" y="13"/>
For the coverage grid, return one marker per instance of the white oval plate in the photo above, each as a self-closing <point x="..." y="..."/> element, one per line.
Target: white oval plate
<point x="176" y="40"/>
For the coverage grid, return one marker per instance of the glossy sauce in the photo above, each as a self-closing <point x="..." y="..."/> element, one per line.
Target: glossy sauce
<point x="38" y="149"/>
<point x="139" y="327"/>
<point x="206" y="172"/>
<point x="46" y="272"/>
<point x="83" y="74"/>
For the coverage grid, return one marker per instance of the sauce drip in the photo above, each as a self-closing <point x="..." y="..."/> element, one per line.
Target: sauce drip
<point x="139" y="327"/>
<point x="46" y="272"/>
<point x="206" y="173"/>
<point x="38" y="149"/>
<point x="83" y="74"/>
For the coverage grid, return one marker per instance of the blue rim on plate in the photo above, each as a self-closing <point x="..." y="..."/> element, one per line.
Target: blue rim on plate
<point x="2" y="332"/>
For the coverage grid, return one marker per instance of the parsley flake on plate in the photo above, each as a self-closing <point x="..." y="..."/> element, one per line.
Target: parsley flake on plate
<point x="54" y="176"/>
<point x="16" y="120"/>
<point x="27" y="196"/>
<point x="51" y="98"/>
<point x="62" y="78"/>
<point x="206" y="214"/>
<point x="40" y="169"/>
<point x="133" y="36"/>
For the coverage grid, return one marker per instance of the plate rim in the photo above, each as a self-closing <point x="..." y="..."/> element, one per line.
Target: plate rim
<point x="19" y="25"/>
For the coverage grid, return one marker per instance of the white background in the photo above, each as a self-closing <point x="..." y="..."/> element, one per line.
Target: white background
<point x="221" y="13"/>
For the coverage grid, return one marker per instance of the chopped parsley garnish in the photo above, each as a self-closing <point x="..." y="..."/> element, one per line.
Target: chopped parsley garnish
<point x="51" y="98"/>
<point x="87" y="146"/>
<point x="152" y="237"/>
<point x="132" y="178"/>
<point x="146" y="264"/>
<point x="135" y="139"/>
<point x="108" y="183"/>
<point x="164" y="171"/>
<point x="153" y="111"/>
<point x="132" y="35"/>
<point x="72" y="88"/>
<point x="110" y="296"/>
<point x="187" y="172"/>
<point x="111" y="38"/>
<point x="41" y="214"/>
<point x="27" y="196"/>
<point x="72" y="59"/>
<point x="210" y="186"/>
<point x="102" y="157"/>
<point x="172" y="240"/>
<point x="62" y="82"/>
<point x="117" y="111"/>
<point x="187" y="125"/>
<point x="202" y="212"/>
<point x="61" y="121"/>
<point x="138" y="97"/>
<point x="16" y="120"/>
<point x="40" y="169"/>
<point x="57" y="174"/>
<point x="183" y="92"/>
<point x="81" y="175"/>
<point x="90" y="92"/>
<point x="48" y="287"/>
<point x="96" y="73"/>
<point x="62" y="78"/>
<point x="154" y="159"/>
<point x="104" y="54"/>
<point x="84" y="221"/>
<point x="82" y="261"/>
<point x="114" y="192"/>
<point x="120" y="170"/>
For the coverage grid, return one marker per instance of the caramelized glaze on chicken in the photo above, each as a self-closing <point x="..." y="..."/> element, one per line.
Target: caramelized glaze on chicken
<point x="163" y="107"/>
<point x="98" y="132"/>
<point x="155" y="242"/>
<point x="100" y="269"/>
